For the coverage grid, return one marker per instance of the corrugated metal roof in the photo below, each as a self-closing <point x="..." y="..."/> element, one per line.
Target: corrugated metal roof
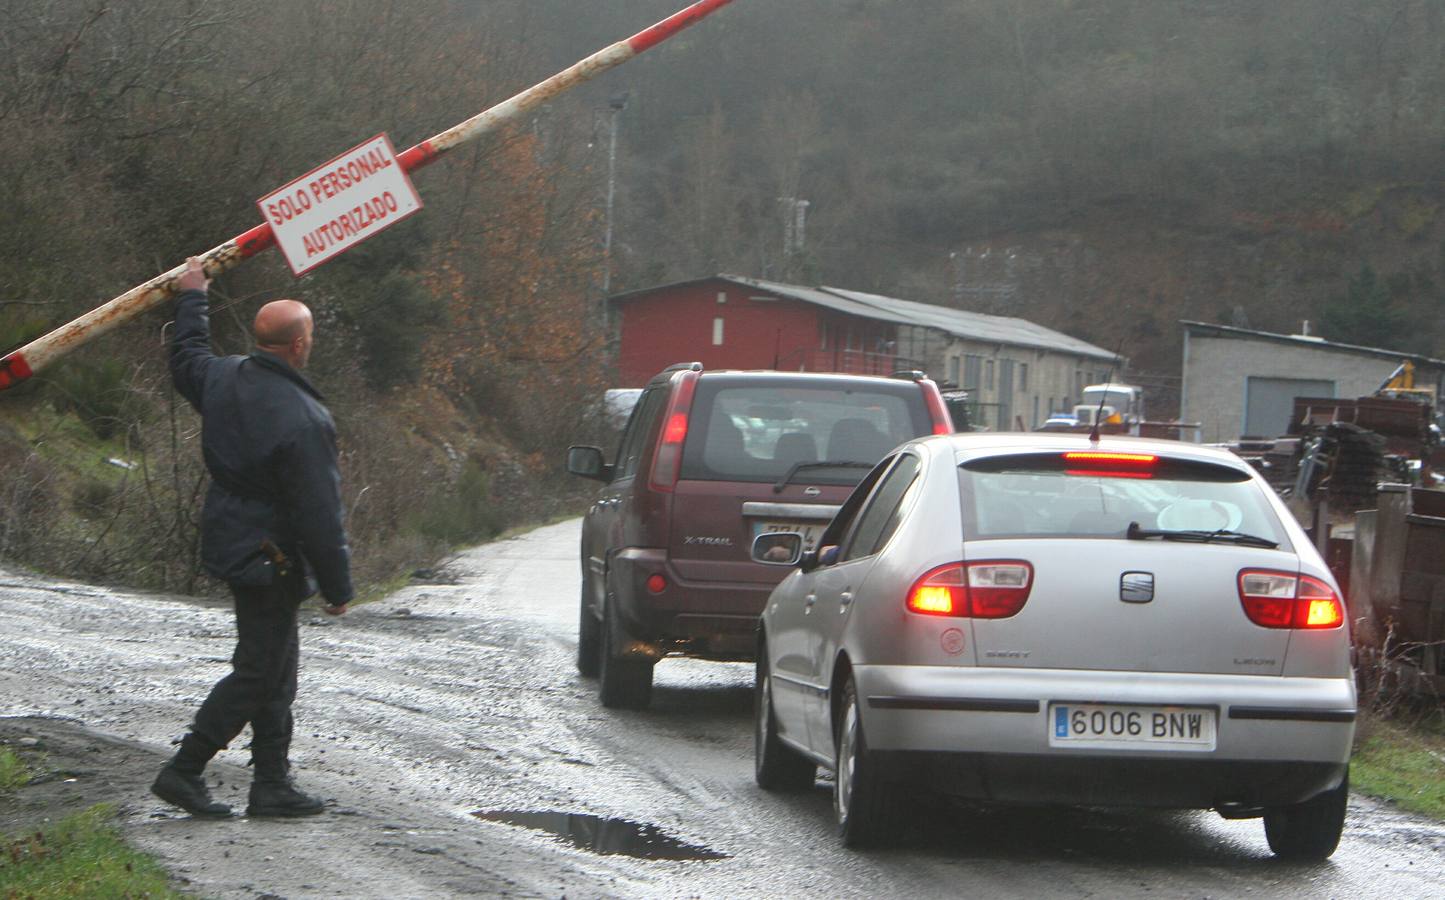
<point x="1305" y="340"/>
<point x="980" y="326"/>
<point x="957" y="322"/>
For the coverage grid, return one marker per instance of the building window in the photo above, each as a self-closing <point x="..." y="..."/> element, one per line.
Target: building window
<point x="717" y="331"/>
<point x="953" y="369"/>
<point x="722" y="297"/>
<point x="988" y="374"/>
<point x="1024" y="378"/>
<point x="823" y="336"/>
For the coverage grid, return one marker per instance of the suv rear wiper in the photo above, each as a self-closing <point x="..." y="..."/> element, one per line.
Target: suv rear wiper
<point x="1219" y="535"/>
<point x="824" y="464"/>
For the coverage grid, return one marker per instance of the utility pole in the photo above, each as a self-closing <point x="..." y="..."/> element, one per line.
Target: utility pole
<point x="795" y="217"/>
<point x="617" y="104"/>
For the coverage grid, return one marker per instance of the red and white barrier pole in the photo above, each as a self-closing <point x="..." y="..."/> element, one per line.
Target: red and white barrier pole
<point x="41" y="352"/>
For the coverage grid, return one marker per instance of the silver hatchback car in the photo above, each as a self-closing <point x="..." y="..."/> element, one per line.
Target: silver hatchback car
<point x="1036" y="618"/>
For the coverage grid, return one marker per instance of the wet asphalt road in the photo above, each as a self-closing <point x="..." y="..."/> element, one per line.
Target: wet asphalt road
<point x="452" y="698"/>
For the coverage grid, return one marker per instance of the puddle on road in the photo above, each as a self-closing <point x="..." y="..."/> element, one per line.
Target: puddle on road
<point x="607" y="837"/>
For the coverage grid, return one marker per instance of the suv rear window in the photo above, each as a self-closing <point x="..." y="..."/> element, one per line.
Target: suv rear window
<point x="758" y="430"/>
<point x="1038" y="495"/>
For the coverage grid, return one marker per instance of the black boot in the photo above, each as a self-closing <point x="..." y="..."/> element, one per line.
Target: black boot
<point x="189" y="792"/>
<point x="273" y="793"/>
<point x="281" y="798"/>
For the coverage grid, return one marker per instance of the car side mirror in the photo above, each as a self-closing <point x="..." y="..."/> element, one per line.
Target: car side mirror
<point x="822" y="556"/>
<point x="778" y="548"/>
<point x="588" y="462"/>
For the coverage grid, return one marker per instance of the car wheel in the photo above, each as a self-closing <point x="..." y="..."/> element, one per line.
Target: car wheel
<point x="623" y="682"/>
<point x="776" y="766"/>
<point x="589" y="638"/>
<point x="858" y="793"/>
<point x="1308" y="830"/>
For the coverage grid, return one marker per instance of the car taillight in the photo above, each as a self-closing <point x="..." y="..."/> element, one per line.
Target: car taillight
<point x="940" y="592"/>
<point x="1285" y="600"/>
<point x="667" y="461"/>
<point x="1105" y="464"/>
<point x="988" y="589"/>
<point x="937" y="410"/>
<point x="997" y="590"/>
<point x="1318" y="607"/>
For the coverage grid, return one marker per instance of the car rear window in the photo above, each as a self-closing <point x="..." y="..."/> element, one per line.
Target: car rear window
<point x="759" y="430"/>
<point x="1044" y="495"/>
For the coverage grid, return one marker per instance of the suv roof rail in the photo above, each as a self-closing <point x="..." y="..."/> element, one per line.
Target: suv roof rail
<point x="910" y="374"/>
<point x="681" y="367"/>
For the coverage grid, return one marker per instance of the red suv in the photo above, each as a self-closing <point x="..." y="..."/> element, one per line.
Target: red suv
<point x="708" y="461"/>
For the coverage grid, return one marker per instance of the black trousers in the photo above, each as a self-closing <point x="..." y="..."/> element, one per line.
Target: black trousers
<point x="262" y="683"/>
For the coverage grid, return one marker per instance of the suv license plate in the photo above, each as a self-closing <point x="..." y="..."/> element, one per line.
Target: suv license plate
<point x="1156" y="727"/>
<point x="810" y="531"/>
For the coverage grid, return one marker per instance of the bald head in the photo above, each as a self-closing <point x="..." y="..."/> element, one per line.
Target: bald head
<point x="284" y="327"/>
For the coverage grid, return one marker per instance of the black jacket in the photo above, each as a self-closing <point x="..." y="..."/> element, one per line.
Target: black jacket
<point x="270" y="446"/>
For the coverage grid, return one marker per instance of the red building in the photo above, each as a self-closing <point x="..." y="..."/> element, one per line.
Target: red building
<point x="730" y="322"/>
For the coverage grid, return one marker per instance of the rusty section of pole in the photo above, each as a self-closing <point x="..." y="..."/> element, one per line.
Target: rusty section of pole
<point x="41" y="352"/>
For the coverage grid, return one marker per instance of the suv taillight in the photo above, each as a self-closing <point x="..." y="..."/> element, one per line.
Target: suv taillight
<point x="667" y="461"/>
<point x="987" y="589"/>
<point x="937" y="409"/>
<point x="1285" y="600"/>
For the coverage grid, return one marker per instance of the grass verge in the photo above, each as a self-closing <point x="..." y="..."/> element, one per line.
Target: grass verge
<point x="82" y="855"/>
<point x="1402" y="764"/>
<point x="13" y="773"/>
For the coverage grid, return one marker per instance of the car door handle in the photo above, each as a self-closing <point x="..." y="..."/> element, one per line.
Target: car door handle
<point x="808" y="602"/>
<point x="843" y="600"/>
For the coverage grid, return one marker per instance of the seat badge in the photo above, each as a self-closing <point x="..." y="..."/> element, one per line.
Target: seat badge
<point x="1136" y="587"/>
<point x="811" y="492"/>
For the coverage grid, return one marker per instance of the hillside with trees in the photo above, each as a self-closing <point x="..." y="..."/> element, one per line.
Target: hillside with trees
<point x="1105" y="167"/>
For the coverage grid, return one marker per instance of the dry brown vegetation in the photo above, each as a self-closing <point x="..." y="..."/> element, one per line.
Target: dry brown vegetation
<point x="456" y="351"/>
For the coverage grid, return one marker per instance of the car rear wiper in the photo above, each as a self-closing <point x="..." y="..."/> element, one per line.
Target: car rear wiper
<point x="1219" y="535"/>
<point x="823" y="464"/>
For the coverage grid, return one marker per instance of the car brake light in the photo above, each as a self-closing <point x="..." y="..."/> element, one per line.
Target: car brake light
<point x="937" y="410"/>
<point x="940" y="592"/>
<point x="1105" y="464"/>
<point x="990" y="589"/>
<point x="1283" y="600"/>
<point x="667" y="461"/>
<point x="1318" y="605"/>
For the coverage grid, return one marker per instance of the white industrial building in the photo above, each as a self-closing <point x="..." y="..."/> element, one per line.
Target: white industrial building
<point x="1241" y="382"/>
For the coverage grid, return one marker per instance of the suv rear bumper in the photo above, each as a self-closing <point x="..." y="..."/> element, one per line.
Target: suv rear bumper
<point x="711" y="620"/>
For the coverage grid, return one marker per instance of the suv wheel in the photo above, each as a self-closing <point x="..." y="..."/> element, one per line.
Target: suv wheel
<point x="776" y="766"/>
<point x="624" y="682"/>
<point x="589" y="638"/>
<point x="859" y="801"/>
<point x="1308" y="831"/>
